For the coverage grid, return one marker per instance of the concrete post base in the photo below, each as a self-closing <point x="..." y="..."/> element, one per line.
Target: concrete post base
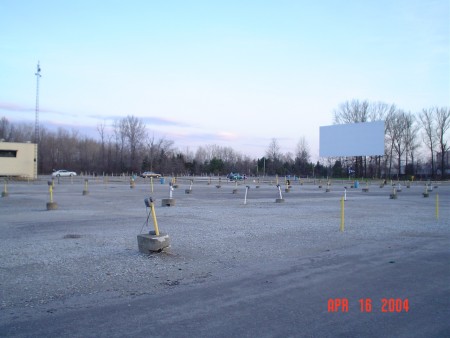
<point x="235" y="191"/>
<point x="425" y="194"/>
<point x="188" y="191"/>
<point x="365" y="189"/>
<point x="148" y="243"/>
<point x="168" y="202"/>
<point x="5" y="194"/>
<point x="218" y="186"/>
<point x="393" y="196"/>
<point x="52" y="206"/>
<point x="279" y="200"/>
<point x="257" y="187"/>
<point x="327" y="190"/>
<point x="85" y="192"/>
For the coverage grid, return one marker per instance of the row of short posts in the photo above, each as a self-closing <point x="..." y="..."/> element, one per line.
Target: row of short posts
<point x="280" y="199"/>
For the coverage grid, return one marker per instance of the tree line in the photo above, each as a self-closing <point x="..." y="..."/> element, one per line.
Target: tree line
<point x="416" y="144"/>
<point x="127" y="147"/>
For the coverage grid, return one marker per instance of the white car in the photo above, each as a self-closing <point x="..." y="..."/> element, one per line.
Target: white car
<point x="150" y="174"/>
<point x="62" y="173"/>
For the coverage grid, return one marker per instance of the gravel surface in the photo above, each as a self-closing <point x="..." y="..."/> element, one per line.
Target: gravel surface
<point x="85" y="252"/>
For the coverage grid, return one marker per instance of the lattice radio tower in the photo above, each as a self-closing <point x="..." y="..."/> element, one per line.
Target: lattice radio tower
<point x="36" y="123"/>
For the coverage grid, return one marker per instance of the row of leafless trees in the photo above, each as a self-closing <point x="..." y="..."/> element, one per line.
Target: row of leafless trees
<point x="406" y="134"/>
<point x="127" y="147"/>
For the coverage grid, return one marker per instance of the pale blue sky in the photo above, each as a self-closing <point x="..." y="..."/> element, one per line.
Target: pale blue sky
<point x="232" y="73"/>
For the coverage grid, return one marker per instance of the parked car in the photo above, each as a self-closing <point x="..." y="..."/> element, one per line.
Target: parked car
<point x="150" y="174"/>
<point x="62" y="173"/>
<point x="236" y="177"/>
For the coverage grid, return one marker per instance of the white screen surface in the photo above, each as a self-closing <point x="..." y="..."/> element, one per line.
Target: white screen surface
<point x="355" y="139"/>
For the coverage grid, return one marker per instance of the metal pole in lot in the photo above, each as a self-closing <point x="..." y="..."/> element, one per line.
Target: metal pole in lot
<point x="246" y="190"/>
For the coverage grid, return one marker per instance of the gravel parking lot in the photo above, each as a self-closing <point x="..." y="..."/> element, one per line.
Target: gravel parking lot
<point x="84" y="257"/>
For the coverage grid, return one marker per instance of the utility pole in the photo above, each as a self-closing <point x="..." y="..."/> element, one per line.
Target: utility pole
<point x="36" y="124"/>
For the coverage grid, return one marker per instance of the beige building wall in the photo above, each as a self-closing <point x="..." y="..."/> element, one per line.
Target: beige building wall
<point x="18" y="159"/>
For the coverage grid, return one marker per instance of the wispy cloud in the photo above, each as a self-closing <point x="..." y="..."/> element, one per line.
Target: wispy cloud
<point x="10" y="107"/>
<point x="160" y="121"/>
<point x="148" y="120"/>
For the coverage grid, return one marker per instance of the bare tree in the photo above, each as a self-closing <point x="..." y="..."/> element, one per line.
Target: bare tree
<point x="302" y="150"/>
<point x="302" y="157"/>
<point x="352" y="112"/>
<point x="397" y="127"/>
<point x="120" y="144"/>
<point x="101" y="131"/>
<point x="410" y="139"/>
<point x="5" y="129"/>
<point x="156" y="154"/>
<point x="273" y="152"/>
<point x="429" y="133"/>
<point x="443" y="125"/>
<point x="135" y="133"/>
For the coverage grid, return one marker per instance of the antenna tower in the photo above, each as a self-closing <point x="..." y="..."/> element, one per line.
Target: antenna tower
<point x="36" y="124"/>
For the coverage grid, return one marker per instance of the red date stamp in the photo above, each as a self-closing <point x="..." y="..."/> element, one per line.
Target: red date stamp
<point x="388" y="305"/>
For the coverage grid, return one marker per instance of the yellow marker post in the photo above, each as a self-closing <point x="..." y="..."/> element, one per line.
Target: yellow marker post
<point x="155" y="222"/>
<point x="277" y="179"/>
<point x="342" y="215"/>
<point x="151" y="182"/>
<point x="5" y="189"/>
<point x="86" y="184"/>
<point x="50" y="190"/>
<point x="437" y="206"/>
